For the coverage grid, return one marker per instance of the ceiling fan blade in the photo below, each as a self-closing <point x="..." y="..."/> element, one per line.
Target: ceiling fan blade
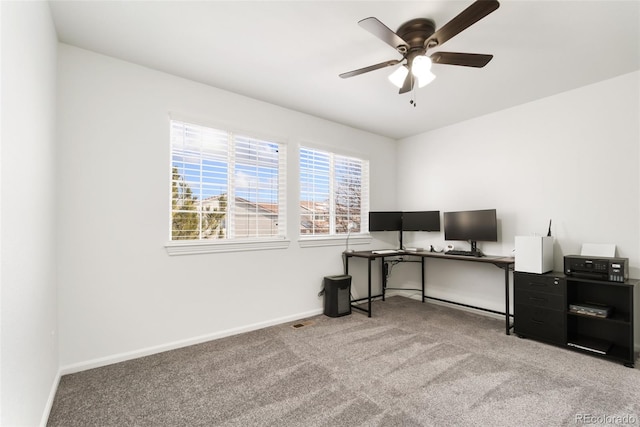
<point x="464" y="20"/>
<point x="408" y="83"/>
<point x="369" y="68"/>
<point x="381" y="31"/>
<point x="465" y="59"/>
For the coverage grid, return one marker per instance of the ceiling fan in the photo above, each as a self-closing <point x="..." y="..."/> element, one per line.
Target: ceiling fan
<point x="415" y="37"/>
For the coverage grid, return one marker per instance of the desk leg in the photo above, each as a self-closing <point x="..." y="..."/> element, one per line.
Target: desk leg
<point x="506" y="294"/>
<point x="423" y="274"/>
<point x="346" y="264"/>
<point x="383" y="275"/>
<point x="369" y="286"/>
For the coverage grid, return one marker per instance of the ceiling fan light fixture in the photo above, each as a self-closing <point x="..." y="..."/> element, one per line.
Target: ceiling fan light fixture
<point x="425" y="78"/>
<point x="421" y="65"/>
<point x="398" y="76"/>
<point x="421" y="69"/>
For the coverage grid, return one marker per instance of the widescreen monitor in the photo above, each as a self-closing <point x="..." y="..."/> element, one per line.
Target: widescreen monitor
<point x="385" y="221"/>
<point x="421" y="221"/>
<point x="480" y="225"/>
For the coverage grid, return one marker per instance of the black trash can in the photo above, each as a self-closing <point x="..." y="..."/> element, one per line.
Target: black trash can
<point x="337" y="295"/>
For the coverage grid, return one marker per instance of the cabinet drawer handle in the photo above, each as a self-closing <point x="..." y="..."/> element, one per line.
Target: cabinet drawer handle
<point x="539" y="322"/>
<point x="538" y="299"/>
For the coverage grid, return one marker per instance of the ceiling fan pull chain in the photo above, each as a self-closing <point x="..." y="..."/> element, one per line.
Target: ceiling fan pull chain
<point x="415" y="95"/>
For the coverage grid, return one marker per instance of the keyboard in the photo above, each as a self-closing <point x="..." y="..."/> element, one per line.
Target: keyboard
<point x="385" y="251"/>
<point x="464" y="253"/>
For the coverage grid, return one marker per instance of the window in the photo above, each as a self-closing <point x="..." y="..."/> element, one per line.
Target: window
<point x="225" y="186"/>
<point x="334" y="193"/>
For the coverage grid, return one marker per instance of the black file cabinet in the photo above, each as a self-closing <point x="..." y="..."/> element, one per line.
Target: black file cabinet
<point x="540" y="307"/>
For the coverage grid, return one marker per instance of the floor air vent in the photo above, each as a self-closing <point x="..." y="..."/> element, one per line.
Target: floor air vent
<point x="301" y="324"/>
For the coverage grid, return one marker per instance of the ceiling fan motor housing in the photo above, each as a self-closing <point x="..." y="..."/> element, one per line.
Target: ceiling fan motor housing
<point x="415" y="33"/>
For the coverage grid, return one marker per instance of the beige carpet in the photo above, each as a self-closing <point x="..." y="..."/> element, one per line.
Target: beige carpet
<point x="412" y="364"/>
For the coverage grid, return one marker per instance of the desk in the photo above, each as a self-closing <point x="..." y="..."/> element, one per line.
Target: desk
<point x="504" y="263"/>
<point x="370" y="256"/>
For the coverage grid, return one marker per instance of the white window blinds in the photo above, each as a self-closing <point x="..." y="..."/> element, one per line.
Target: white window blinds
<point x="334" y="193"/>
<point x="225" y="186"/>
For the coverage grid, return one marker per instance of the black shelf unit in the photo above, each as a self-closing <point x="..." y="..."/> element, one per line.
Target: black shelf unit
<point x="612" y="335"/>
<point x="542" y="312"/>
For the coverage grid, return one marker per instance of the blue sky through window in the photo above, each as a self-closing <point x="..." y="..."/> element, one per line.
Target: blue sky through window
<point x="202" y="159"/>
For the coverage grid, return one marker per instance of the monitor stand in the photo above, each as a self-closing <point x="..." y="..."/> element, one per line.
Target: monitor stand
<point x="474" y="249"/>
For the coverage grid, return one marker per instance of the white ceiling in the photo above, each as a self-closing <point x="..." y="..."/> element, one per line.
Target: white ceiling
<point x="290" y="53"/>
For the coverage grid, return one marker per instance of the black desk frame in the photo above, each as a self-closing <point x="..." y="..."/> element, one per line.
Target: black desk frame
<point x="504" y="263"/>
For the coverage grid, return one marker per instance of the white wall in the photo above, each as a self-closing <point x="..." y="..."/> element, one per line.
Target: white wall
<point x="120" y="294"/>
<point x="573" y="158"/>
<point x="28" y="341"/>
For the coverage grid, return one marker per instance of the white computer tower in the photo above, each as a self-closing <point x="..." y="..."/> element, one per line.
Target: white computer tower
<point x="534" y="254"/>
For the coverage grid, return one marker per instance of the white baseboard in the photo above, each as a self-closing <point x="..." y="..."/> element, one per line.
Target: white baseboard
<point x="116" y="358"/>
<point x="52" y="396"/>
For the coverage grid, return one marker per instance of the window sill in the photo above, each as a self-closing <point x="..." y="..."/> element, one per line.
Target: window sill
<point x="312" y="242"/>
<point x="200" y="247"/>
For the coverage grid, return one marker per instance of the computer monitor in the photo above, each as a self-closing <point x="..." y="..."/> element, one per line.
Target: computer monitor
<point x="385" y="221"/>
<point x="472" y="226"/>
<point x="421" y="221"/>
